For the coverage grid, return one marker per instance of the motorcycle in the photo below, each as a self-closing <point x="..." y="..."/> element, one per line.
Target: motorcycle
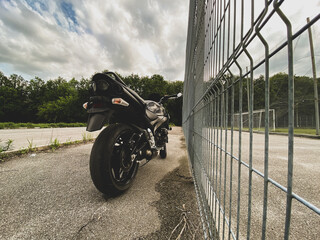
<point x="137" y="131"/>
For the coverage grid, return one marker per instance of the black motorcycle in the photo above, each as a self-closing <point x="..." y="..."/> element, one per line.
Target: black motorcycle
<point x="137" y="130"/>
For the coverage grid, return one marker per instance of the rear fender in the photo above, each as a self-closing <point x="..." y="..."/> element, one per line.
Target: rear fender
<point x="98" y="119"/>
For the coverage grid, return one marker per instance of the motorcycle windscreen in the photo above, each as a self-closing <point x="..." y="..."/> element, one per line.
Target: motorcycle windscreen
<point x="97" y="120"/>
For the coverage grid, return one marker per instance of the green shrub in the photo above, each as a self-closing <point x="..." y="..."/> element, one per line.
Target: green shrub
<point x="11" y="125"/>
<point x="30" y="125"/>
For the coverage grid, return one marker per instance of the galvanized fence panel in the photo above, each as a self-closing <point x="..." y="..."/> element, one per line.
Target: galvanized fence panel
<point x="230" y="163"/>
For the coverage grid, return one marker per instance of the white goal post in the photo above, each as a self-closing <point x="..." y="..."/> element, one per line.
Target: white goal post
<point x="258" y="119"/>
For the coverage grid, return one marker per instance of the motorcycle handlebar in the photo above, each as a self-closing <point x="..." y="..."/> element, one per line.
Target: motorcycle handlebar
<point x="173" y="96"/>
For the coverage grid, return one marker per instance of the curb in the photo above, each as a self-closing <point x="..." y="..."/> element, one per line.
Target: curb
<point x="286" y="134"/>
<point x="283" y="134"/>
<point x="13" y="153"/>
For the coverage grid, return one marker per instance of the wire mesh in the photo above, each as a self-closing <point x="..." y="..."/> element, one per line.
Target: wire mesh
<point x="231" y="164"/>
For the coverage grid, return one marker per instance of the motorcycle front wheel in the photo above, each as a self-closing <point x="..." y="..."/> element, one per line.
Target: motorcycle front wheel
<point x="112" y="164"/>
<point x="163" y="151"/>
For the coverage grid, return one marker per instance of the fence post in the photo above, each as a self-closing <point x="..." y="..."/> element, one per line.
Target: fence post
<point x="314" y="73"/>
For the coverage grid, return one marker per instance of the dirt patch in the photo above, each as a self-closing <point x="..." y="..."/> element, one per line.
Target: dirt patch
<point x="183" y="142"/>
<point x="177" y="207"/>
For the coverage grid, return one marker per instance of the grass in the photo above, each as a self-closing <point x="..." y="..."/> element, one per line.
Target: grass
<point x="68" y="142"/>
<point x="87" y="137"/>
<point x="12" y="125"/>
<point x="54" y="144"/>
<point x="298" y="131"/>
<point x="308" y="131"/>
<point x="31" y="147"/>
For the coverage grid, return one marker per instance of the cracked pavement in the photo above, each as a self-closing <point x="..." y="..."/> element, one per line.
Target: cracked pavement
<point x="50" y="195"/>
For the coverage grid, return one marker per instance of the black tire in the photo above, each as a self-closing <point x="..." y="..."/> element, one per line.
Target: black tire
<point x="111" y="169"/>
<point x="163" y="152"/>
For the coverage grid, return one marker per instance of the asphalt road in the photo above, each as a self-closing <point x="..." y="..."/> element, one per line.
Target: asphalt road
<point x="50" y="196"/>
<point x="306" y="184"/>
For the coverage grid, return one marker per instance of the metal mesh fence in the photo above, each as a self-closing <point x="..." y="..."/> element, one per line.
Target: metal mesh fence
<point x="244" y="181"/>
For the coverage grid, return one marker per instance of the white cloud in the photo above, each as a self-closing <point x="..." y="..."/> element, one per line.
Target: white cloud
<point x="275" y="33"/>
<point x="77" y="38"/>
<point x="74" y="38"/>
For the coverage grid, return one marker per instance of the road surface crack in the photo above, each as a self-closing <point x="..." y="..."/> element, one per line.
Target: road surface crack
<point x="94" y="217"/>
<point x="183" y="176"/>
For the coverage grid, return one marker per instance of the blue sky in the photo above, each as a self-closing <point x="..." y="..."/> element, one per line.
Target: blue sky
<point x="75" y="38"/>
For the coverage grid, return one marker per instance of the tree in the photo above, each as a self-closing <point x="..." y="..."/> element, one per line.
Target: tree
<point x="12" y="97"/>
<point x="259" y="93"/>
<point x="10" y="105"/>
<point x="35" y="97"/>
<point x="134" y="82"/>
<point x="4" y="81"/>
<point x="61" y="110"/>
<point x="174" y="107"/>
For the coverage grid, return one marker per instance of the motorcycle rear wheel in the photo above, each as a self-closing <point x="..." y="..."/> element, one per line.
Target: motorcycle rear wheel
<point x="111" y="167"/>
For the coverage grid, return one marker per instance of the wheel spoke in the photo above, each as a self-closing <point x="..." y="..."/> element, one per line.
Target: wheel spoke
<point x="122" y="165"/>
<point x="120" y="173"/>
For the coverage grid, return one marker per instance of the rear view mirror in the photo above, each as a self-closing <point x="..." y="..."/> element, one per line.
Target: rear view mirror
<point x="165" y="98"/>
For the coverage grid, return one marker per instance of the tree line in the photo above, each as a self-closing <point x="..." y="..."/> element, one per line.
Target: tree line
<point x="59" y="100"/>
<point x="278" y="93"/>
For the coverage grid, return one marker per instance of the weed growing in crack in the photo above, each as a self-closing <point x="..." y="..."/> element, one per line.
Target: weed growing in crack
<point x="87" y="137"/>
<point x="31" y="147"/>
<point x="55" y="144"/>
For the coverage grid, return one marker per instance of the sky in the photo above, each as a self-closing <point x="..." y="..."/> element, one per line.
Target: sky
<point x="275" y="33"/>
<point x="76" y="38"/>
